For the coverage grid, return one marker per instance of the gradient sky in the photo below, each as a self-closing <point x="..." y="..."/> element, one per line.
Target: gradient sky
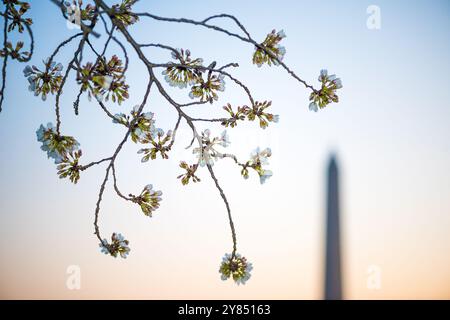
<point x="390" y="133"/>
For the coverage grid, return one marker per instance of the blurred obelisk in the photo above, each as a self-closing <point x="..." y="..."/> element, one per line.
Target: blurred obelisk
<point x="333" y="284"/>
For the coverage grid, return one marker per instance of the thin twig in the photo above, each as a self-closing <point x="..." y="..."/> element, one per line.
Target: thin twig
<point x="227" y="205"/>
<point x="82" y="168"/>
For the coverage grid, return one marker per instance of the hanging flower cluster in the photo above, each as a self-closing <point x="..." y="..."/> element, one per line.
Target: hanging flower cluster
<point x="70" y="167"/>
<point x="44" y="82"/>
<point x="141" y="124"/>
<point x="207" y="89"/>
<point x="258" y="158"/>
<point x="257" y="111"/>
<point x="327" y="93"/>
<point x="148" y="200"/>
<point x="118" y="246"/>
<point x="160" y="144"/>
<point x="184" y="74"/>
<point x="105" y="79"/>
<point x="237" y="268"/>
<point x="270" y="51"/>
<point x="56" y="145"/>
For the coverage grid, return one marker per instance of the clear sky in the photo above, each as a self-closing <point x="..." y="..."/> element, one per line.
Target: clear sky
<point x="390" y="133"/>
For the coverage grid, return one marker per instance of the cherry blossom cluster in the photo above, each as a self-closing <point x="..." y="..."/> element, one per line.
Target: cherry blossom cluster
<point x="118" y="246"/>
<point x="46" y="81"/>
<point x="327" y="93"/>
<point x="236" y="268"/>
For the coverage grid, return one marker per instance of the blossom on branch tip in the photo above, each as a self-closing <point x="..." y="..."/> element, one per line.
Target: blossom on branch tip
<point x="15" y="15"/>
<point x="237" y="268"/>
<point x="148" y="200"/>
<point x="207" y="90"/>
<point x="258" y="158"/>
<point x="69" y="166"/>
<point x="56" y="146"/>
<point x="185" y="74"/>
<point x="105" y="79"/>
<point x="327" y="93"/>
<point x="122" y="13"/>
<point x="270" y="51"/>
<point x="239" y="115"/>
<point x="44" y="82"/>
<point x="142" y="124"/>
<point x="258" y="111"/>
<point x="158" y="140"/>
<point x="15" y="52"/>
<point x="190" y="173"/>
<point x="121" y="118"/>
<point x="118" y="246"/>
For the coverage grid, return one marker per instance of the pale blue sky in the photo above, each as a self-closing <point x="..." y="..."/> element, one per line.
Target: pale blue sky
<point x="390" y="132"/>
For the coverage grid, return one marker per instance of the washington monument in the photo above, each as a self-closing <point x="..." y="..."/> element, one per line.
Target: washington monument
<point x="333" y="281"/>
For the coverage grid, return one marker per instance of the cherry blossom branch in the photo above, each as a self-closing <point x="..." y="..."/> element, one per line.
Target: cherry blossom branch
<point x="63" y="81"/>
<point x="249" y="39"/>
<point x="188" y="119"/>
<point x="105" y="79"/>
<point x="111" y="166"/>
<point x="115" y="185"/>
<point x="95" y="163"/>
<point x="8" y="50"/>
